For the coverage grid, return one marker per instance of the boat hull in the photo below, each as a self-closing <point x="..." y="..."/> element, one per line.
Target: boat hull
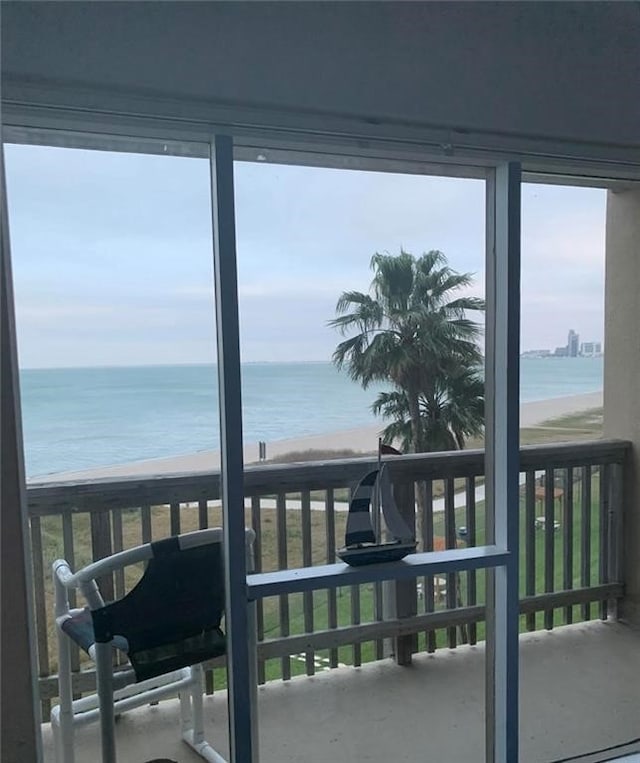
<point x="376" y="554"/>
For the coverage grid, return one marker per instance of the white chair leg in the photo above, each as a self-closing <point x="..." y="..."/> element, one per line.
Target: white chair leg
<point x="63" y="729"/>
<point x="57" y="736"/>
<point x="186" y="709"/>
<point x="194" y="736"/>
<point x="197" y="688"/>
<point x="104" y="676"/>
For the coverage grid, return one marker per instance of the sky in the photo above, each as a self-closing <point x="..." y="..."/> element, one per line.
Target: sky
<point x="112" y="254"/>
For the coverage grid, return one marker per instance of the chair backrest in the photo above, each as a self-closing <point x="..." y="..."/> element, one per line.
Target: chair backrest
<point x="171" y="618"/>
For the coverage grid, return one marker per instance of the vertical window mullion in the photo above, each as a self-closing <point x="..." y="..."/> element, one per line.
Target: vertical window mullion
<point x="21" y="672"/>
<point x="502" y="380"/>
<point x="242" y="726"/>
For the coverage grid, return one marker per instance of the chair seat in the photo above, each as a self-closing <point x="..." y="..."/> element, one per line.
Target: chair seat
<point x="192" y="650"/>
<point x="152" y="661"/>
<point x="79" y="628"/>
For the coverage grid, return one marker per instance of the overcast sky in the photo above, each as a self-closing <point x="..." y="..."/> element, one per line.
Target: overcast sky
<point x="112" y="254"/>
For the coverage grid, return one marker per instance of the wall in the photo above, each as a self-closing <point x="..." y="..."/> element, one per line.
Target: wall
<point x="563" y="70"/>
<point x="622" y="368"/>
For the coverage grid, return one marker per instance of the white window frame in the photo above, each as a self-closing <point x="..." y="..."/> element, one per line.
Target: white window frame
<point x="500" y="555"/>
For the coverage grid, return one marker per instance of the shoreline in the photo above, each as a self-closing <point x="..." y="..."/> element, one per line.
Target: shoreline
<point x="361" y="440"/>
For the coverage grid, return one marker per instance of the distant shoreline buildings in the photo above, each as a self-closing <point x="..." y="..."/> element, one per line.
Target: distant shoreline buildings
<point x="572" y="349"/>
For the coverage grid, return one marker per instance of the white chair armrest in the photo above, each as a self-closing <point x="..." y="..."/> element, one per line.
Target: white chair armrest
<point x="63" y="574"/>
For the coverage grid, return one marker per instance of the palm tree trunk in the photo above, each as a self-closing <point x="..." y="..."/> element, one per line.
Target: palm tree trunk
<point x="417" y="447"/>
<point x="414" y="415"/>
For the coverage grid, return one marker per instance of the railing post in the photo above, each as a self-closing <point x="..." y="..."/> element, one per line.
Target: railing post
<point x="101" y="547"/>
<point x="401" y="598"/>
<point x="605" y="523"/>
<point x="615" y="568"/>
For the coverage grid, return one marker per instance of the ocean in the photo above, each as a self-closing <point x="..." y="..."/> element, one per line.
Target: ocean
<point x="82" y="418"/>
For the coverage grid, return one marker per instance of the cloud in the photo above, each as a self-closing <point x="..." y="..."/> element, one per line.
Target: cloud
<point x="47" y="313"/>
<point x="292" y="288"/>
<point x="113" y="255"/>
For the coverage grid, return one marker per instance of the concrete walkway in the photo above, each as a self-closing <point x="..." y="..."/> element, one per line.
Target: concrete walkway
<point x="459" y="501"/>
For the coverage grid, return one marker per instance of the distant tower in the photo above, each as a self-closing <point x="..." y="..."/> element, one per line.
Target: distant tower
<point x="573" y="344"/>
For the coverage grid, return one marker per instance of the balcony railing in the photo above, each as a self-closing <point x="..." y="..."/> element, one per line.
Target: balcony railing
<point x="570" y="562"/>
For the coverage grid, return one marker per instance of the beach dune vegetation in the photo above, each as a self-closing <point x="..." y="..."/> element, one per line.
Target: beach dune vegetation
<point x="414" y="330"/>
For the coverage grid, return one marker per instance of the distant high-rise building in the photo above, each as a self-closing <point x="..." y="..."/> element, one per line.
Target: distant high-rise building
<point x="591" y="349"/>
<point x="573" y="344"/>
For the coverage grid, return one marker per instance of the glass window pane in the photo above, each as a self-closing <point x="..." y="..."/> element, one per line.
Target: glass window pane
<point x="310" y="242"/>
<point x="114" y="301"/>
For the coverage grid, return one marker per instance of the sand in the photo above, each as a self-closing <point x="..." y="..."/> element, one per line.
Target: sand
<point x="362" y="439"/>
<point x="534" y="414"/>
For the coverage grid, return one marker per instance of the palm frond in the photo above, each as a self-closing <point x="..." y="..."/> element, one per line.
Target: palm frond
<point x="413" y="331"/>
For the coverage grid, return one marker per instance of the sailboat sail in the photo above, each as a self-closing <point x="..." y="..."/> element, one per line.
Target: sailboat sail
<point x="396" y="525"/>
<point x="363" y="545"/>
<point x="359" y="528"/>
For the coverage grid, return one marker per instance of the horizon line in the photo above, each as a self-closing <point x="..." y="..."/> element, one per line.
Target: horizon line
<point x="189" y="364"/>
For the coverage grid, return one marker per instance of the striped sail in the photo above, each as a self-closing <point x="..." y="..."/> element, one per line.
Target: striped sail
<point x="396" y="525"/>
<point x="359" y="528"/>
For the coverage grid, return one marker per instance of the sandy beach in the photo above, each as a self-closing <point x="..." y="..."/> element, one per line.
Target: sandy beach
<point x="361" y="440"/>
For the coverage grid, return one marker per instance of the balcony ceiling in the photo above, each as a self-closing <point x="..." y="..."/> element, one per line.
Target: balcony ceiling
<point x="561" y="70"/>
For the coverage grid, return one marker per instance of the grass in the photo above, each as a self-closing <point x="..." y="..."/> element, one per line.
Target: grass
<point x="316" y="454"/>
<point x="588" y="425"/>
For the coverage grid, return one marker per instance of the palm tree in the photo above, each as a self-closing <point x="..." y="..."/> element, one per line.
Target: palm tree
<point x="454" y="412"/>
<point x="410" y="330"/>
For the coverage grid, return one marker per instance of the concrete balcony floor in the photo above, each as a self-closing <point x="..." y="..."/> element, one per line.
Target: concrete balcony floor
<point x="580" y="692"/>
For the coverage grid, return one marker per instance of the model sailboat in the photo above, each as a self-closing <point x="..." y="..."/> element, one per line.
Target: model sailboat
<point x="363" y="540"/>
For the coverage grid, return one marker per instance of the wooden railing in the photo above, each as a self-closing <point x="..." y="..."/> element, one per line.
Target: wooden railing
<point x="570" y="518"/>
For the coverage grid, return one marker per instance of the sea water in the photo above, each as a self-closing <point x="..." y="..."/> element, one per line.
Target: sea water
<point x="81" y="418"/>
